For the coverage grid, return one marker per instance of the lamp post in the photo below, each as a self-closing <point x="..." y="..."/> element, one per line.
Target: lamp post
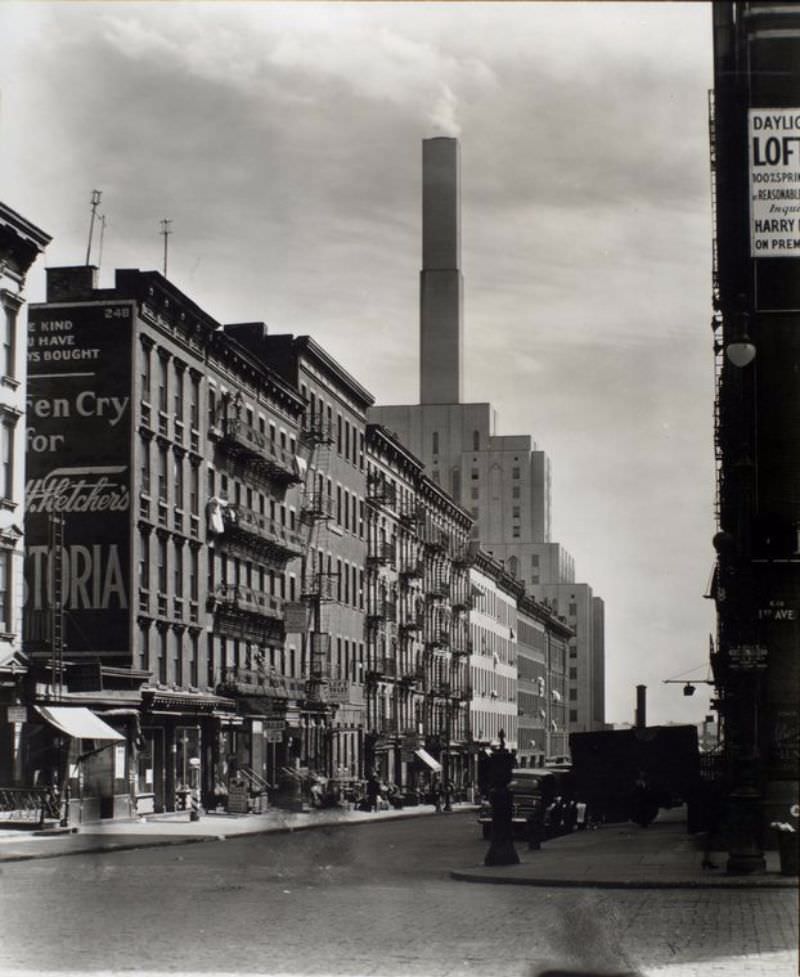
<point x="501" y="849"/>
<point x="743" y="657"/>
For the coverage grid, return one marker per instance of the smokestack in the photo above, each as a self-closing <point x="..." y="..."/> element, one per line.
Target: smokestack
<point x="440" y="279"/>
<point x="641" y="706"/>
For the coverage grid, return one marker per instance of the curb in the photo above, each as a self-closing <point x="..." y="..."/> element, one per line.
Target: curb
<point x="198" y="839"/>
<point x="743" y="882"/>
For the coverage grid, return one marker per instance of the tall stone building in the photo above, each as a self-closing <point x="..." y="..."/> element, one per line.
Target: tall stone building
<point x="503" y="481"/>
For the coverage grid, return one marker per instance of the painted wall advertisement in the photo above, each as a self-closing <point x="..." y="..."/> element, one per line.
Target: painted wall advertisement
<point x="78" y="430"/>
<point x="774" y="141"/>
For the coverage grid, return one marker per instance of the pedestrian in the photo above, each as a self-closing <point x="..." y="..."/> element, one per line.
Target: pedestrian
<point x="570" y="817"/>
<point x="580" y="815"/>
<point x="373" y="790"/>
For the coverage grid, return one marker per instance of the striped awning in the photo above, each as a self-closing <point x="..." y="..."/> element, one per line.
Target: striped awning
<point x="78" y="722"/>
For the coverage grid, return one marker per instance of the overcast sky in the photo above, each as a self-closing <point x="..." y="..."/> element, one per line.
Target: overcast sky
<point x="284" y="142"/>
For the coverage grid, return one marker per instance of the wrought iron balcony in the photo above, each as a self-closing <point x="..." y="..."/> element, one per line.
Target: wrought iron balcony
<point x="410" y="568"/>
<point x="437" y="636"/>
<point x="435" y="539"/>
<point x="247" y="442"/>
<point x="461" y="598"/>
<point x="437" y="589"/>
<point x="247" y="614"/>
<point x="463" y="556"/>
<point x="316" y="430"/>
<point x="316" y="506"/>
<point x="381" y="667"/>
<point x="260" y="531"/>
<point x="381" y="553"/>
<point x="414" y="622"/>
<point x="381" y="493"/>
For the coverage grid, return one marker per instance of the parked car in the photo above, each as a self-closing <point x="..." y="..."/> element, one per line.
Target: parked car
<point x="532" y="789"/>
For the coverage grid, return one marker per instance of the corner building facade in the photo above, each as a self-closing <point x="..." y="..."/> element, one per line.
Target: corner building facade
<point x="21" y="242"/>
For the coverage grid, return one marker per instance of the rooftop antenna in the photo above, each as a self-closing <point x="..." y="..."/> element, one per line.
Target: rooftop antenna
<point x="165" y="233"/>
<point x="96" y="195"/>
<point x="102" y="235"/>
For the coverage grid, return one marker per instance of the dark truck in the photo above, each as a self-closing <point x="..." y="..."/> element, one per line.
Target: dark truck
<point x="628" y="774"/>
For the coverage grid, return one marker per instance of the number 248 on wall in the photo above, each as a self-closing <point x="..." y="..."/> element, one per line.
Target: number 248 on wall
<point x="117" y="312"/>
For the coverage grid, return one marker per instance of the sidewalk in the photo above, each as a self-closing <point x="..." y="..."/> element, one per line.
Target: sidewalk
<point x="158" y="830"/>
<point x="662" y="856"/>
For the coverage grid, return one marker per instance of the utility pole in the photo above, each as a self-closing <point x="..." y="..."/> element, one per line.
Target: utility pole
<point x="165" y="233"/>
<point x="95" y="201"/>
<point x="102" y="235"/>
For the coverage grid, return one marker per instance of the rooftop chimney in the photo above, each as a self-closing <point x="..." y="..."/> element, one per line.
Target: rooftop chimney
<point x="641" y="706"/>
<point x="440" y="279"/>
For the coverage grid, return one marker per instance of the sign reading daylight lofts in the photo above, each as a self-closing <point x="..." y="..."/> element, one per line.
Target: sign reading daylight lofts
<point x="774" y="139"/>
<point x="78" y="452"/>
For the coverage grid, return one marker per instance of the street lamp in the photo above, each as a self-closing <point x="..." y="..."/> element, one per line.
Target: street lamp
<point x="740" y="351"/>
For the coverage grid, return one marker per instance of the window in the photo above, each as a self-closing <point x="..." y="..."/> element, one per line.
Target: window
<point x="162" y="474"/>
<point x="162" y="384"/>
<point x="9" y="342"/>
<point x="436" y="442"/>
<point x="515" y="492"/>
<point x="7" y="454"/>
<point x="144" y="561"/>
<point x="515" y="512"/>
<point x="144" y="467"/>
<point x="6" y="590"/>
<point x="534" y="559"/>
<point x="573" y="673"/>
<point x="194" y="489"/>
<point x="162" y="565"/>
<point x="515" y="532"/>
<point x="194" y="401"/>
<point x="177" y="470"/>
<point x="573" y="610"/>
<point x="573" y="715"/>
<point x="435" y="476"/>
<point x="144" y="372"/>
<point x="476" y="440"/>
<point x="212" y="407"/>
<point x="473" y="474"/>
<point x="179" y="394"/>
<point x="193" y="573"/>
<point x="474" y="492"/>
<point x="515" y="471"/>
<point x="178" y="571"/>
<point x="573" y="695"/>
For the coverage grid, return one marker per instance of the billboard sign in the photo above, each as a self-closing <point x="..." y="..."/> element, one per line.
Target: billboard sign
<point x="774" y="151"/>
<point x="78" y="456"/>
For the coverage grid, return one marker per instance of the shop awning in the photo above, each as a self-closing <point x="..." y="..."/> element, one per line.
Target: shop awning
<point x="427" y="758"/>
<point x="78" y="722"/>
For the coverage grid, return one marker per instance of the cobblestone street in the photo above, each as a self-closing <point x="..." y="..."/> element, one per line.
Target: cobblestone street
<point x="373" y="899"/>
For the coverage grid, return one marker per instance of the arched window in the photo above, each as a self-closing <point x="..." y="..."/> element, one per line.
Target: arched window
<point x="476" y="440"/>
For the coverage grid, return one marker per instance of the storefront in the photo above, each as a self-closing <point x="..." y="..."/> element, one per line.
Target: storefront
<point x="84" y="761"/>
<point x="178" y="728"/>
